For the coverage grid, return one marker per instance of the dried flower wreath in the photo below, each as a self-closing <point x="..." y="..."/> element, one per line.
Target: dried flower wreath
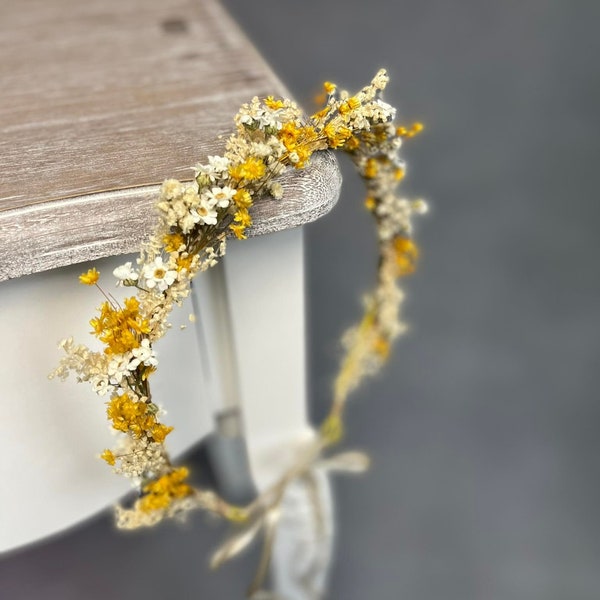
<point x="194" y="222"/>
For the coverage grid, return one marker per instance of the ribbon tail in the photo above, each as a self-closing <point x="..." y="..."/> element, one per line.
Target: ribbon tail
<point x="270" y="526"/>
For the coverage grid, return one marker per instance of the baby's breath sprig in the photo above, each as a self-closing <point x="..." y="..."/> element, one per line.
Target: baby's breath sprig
<point x="194" y="221"/>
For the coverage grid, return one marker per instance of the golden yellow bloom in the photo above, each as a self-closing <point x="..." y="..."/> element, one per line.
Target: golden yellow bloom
<point x="133" y="417"/>
<point x="353" y="143"/>
<point x="406" y="255"/>
<point x="289" y="134"/>
<point x="304" y="153"/>
<point x="399" y="174"/>
<point x="337" y="136"/>
<point x="251" y="169"/>
<point x="370" y="203"/>
<point x="173" y="241"/>
<point x="329" y="87"/>
<point x="108" y="456"/>
<point x="298" y="139"/>
<point x="148" y="370"/>
<point x="90" y="277"/>
<point x="159" y="432"/>
<point x="416" y="128"/>
<point x="184" y="262"/>
<point x="238" y="231"/>
<point x="371" y="169"/>
<point x="381" y="346"/>
<point x="274" y="104"/>
<point x="349" y="105"/>
<point x="243" y="217"/>
<point x="411" y="131"/>
<point x="120" y="328"/>
<point x="160" y="493"/>
<point x="322" y="113"/>
<point x="242" y="198"/>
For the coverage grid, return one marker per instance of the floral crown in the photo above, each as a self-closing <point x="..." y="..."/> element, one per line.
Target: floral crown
<point x="194" y="221"/>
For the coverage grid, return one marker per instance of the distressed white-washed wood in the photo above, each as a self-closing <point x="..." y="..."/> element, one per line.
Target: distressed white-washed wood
<point x="102" y="100"/>
<point x="50" y="235"/>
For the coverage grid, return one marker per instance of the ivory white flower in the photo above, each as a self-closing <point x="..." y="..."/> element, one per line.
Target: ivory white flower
<point x="217" y="166"/>
<point x="100" y="385"/>
<point x="125" y="273"/>
<point x="276" y="190"/>
<point x="118" y="367"/>
<point x="205" y="212"/>
<point x="221" y="196"/>
<point x="158" y="275"/>
<point x="218" y="163"/>
<point x="143" y="355"/>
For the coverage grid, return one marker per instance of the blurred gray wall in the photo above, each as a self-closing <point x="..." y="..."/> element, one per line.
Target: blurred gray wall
<point x="483" y="429"/>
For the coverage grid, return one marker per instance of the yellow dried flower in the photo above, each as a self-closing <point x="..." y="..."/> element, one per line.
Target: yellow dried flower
<point x="238" y="231"/>
<point x="411" y="131"/>
<point x="90" y="277"/>
<point x="184" y="262"/>
<point x="329" y="87"/>
<point x="352" y="144"/>
<point x="242" y="198"/>
<point x="406" y="255"/>
<point x="109" y="457"/>
<point x="370" y="203"/>
<point x="251" y="169"/>
<point x="371" y="169"/>
<point x="173" y="241"/>
<point x="274" y="104"/>
<point x="381" y="346"/>
<point x="120" y="328"/>
<point x="243" y="217"/>
<point x="337" y="136"/>
<point x="160" y="493"/>
<point x="399" y="174"/>
<point x="159" y="432"/>
<point x="322" y="113"/>
<point x="349" y="105"/>
<point x="289" y="134"/>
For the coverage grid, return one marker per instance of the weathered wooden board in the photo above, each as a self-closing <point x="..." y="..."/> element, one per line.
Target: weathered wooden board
<point x="100" y="101"/>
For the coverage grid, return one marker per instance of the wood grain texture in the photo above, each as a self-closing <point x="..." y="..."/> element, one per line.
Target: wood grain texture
<point x="102" y="100"/>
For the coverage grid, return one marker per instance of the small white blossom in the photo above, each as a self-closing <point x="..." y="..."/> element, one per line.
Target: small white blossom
<point x="100" y="385"/>
<point x="276" y="190"/>
<point x="158" y="275"/>
<point x="220" y="196"/>
<point x="118" y="367"/>
<point x="125" y="273"/>
<point x="171" y="188"/>
<point x="143" y="355"/>
<point x="420" y="207"/>
<point x="188" y="221"/>
<point x="216" y="167"/>
<point x="218" y="163"/>
<point x="205" y="212"/>
<point x="379" y="111"/>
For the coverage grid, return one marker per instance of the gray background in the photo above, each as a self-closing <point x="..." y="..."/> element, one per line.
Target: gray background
<point x="483" y="428"/>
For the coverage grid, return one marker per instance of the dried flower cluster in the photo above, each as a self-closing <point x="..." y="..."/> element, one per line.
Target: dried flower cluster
<point x="194" y="221"/>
